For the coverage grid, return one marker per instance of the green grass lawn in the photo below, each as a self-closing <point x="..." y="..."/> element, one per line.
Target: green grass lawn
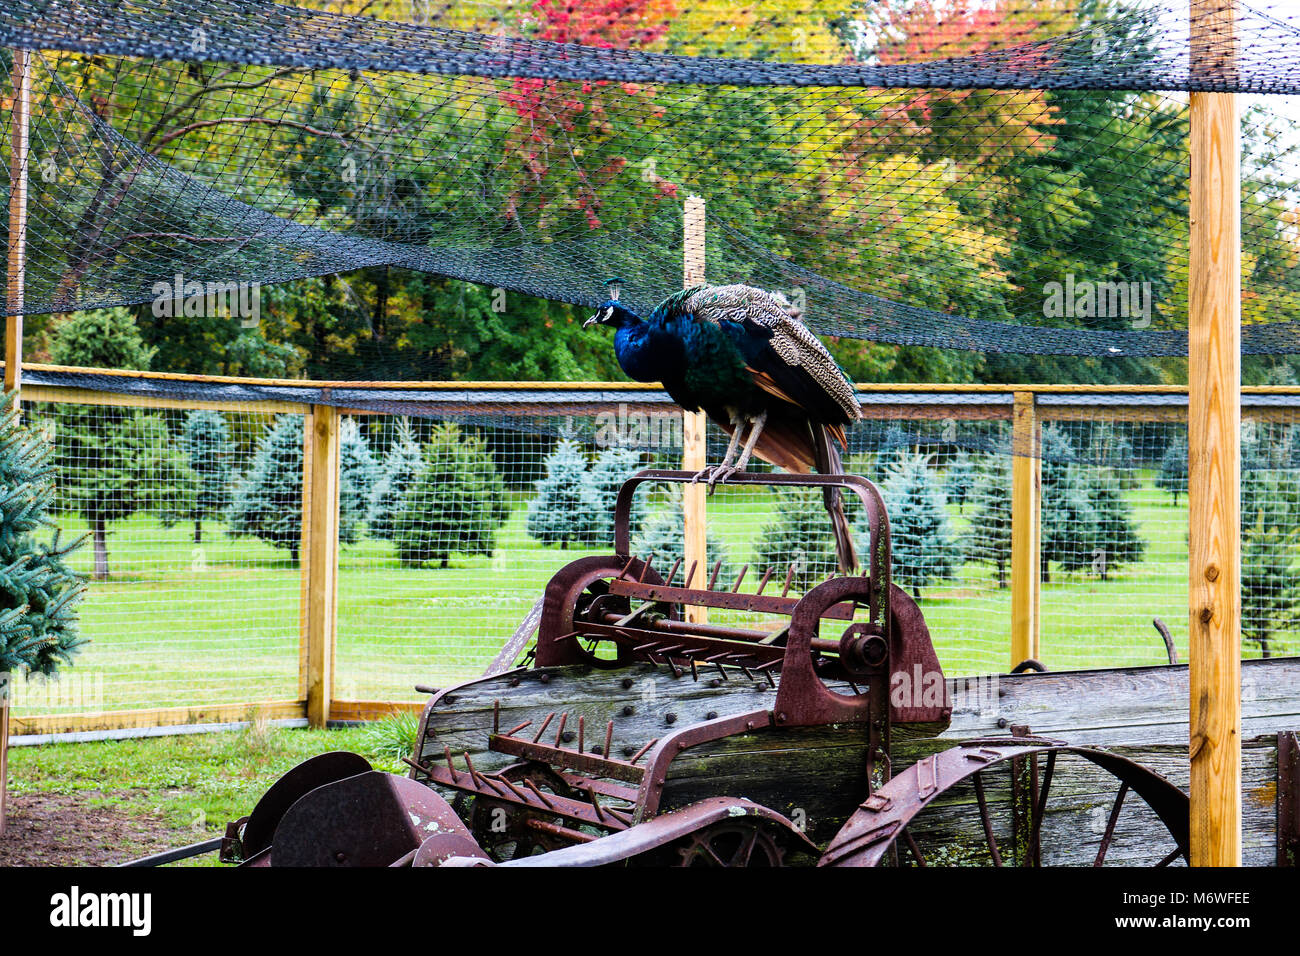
<point x="219" y="623"/>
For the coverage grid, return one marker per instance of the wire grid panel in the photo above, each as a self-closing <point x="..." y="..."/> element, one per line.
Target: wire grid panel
<point x="179" y="611"/>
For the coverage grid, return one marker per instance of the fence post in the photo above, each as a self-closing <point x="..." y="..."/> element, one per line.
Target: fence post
<point x="1026" y="527"/>
<point x="694" y="444"/>
<point x="1214" y="446"/>
<point x="16" y="264"/>
<point x="319" y="557"/>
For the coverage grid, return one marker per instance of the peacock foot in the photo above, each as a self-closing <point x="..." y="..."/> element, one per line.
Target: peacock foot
<point x="720" y="476"/>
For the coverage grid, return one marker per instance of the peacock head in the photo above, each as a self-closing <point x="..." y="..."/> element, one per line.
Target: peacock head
<point x="610" y="312"/>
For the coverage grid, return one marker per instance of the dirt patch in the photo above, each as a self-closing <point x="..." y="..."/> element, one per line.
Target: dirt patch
<point x="66" y="829"/>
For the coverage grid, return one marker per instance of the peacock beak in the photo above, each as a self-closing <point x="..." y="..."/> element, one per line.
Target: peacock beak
<point x="591" y="321"/>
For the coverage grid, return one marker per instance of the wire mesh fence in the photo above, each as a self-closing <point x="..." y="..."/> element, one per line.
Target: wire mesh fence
<point x="453" y="517"/>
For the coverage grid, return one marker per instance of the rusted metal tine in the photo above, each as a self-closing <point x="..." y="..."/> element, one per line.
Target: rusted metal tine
<point x="767" y="574"/>
<point x="427" y="771"/>
<point x="646" y="647"/>
<point x="622" y="816"/>
<point x="856" y="689"/>
<point x="721" y="670"/>
<point x="987" y="821"/>
<point x="559" y="733"/>
<point x="514" y="730"/>
<point x="645" y="570"/>
<point x="540" y="796"/>
<point x="523" y="797"/>
<point x="739" y="577"/>
<point x="446" y="752"/>
<point x="479" y="778"/>
<point x="627" y="567"/>
<point x="691" y="576"/>
<point x="595" y="804"/>
<point x="713" y="578"/>
<point x="789" y="576"/>
<point x="673" y="573"/>
<point x="542" y="729"/>
<point x="642" y="752"/>
<point x="568" y="637"/>
<point x="1173" y="855"/>
<point x="609" y="738"/>
<point x="911" y="845"/>
<point x="1110" y="825"/>
<point x="695" y="674"/>
<point x="748" y="672"/>
<point x="582" y="728"/>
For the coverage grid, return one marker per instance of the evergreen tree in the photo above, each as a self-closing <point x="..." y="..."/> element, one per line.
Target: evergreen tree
<point x="990" y="536"/>
<point x="358" y="473"/>
<point x="922" y="544"/>
<point x="960" y="480"/>
<point x="565" y="508"/>
<point x="400" y="467"/>
<point x="267" y="504"/>
<point x="456" y="504"/>
<point x="38" y="591"/>
<point x="1270" y="580"/>
<point x="113" y="461"/>
<point x="1173" y="469"/>
<point x="612" y="467"/>
<point x="205" y="440"/>
<point x="662" y="542"/>
<point x="799" y="536"/>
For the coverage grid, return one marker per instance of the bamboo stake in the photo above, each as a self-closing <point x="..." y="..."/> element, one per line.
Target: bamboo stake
<point x="1026" y="528"/>
<point x="16" y="265"/>
<point x="1214" y="448"/>
<point x="694" y="445"/>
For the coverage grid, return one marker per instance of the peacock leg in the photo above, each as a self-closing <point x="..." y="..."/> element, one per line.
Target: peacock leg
<point x="709" y="471"/>
<point x="755" y="429"/>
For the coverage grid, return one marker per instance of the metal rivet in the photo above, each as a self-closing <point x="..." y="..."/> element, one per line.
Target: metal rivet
<point x="670" y="718"/>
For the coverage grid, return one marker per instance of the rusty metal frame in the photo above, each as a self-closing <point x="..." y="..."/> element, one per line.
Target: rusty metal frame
<point x="1288" y="798"/>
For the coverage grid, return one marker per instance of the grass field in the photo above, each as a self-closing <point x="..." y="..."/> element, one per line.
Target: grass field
<point x="218" y="623"/>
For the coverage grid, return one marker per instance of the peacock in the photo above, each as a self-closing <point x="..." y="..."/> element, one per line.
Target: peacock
<point x="745" y="357"/>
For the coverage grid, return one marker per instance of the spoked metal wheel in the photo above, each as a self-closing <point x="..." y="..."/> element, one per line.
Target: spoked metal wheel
<point x="1006" y="801"/>
<point x="732" y="845"/>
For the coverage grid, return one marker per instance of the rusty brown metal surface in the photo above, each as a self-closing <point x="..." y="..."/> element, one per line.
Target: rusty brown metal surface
<point x="1288" y="799"/>
<point x="873" y="832"/>
<point x="671" y="828"/>
<point x="314" y="772"/>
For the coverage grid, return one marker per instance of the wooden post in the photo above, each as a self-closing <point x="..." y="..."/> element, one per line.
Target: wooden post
<point x="1214" y="447"/>
<point x="1026" y="527"/>
<point x="16" y="265"/>
<point x="319" y="556"/>
<point x="694" y="443"/>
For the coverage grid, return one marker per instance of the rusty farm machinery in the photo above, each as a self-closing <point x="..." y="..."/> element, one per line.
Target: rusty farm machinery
<point x="819" y="730"/>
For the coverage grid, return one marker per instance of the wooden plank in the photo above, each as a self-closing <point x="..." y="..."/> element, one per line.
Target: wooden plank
<point x="85" y="396"/>
<point x="158" y="717"/>
<point x="694" y="424"/>
<point x="347" y="710"/>
<point x="1214" y="441"/>
<point x="1026" y="532"/>
<point x="320" y="558"/>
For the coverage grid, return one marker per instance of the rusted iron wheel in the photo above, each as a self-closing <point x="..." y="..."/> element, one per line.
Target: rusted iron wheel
<point x="995" y="794"/>
<point x="747" y="844"/>
<point x="507" y="831"/>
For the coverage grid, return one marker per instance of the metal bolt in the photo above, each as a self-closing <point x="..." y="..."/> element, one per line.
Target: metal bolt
<point x="628" y="751"/>
<point x="627" y="683"/>
<point x="545" y="678"/>
<point x="340" y="856"/>
<point x="597" y="750"/>
<point x="567" y="736"/>
<point x="628" y="710"/>
<point x="1002" y="722"/>
<point x="670" y="718"/>
<point x="716" y="682"/>
<point x="711" y="715"/>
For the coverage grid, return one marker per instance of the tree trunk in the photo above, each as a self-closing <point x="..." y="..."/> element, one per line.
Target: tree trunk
<point x="100" y="534"/>
<point x="198" y="531"/>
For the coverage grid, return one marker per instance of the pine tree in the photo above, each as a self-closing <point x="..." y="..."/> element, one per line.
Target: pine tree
<point x="113" y="461"/>
<point x="612" y="467"/>
<point x="662" y="542"/>
<point x="400" y="467"/>
<point x="456" y="504"/>
<point x="960" y="480"/>
<point x="267" y="504"/>
<point x="1270" y="581"/>
<point x="1173" y="469"/>
<point x="1115" y="540"/>
<point x="205" y="440"/>
<point x="358" y="473"/>
<point x="799" y="536"/>
<point x="990" y="541"/>
<point x="39" y="593"/>
<point x="922" y="544"/>
<point x="565" y="508"/>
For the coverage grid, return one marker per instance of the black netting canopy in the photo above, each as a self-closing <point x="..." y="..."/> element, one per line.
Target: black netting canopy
<point x="994" y="176"/>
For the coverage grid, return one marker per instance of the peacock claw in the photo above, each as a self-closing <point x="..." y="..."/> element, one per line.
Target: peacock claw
<point x="704" y="473"/>
<point x="720" y="476"/>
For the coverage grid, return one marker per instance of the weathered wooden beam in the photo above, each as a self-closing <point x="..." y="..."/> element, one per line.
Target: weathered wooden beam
<point x="694" y="424"/>
<point x="1214" y="447"/>
<point x="1026" y="534"/>
<point x="319" y="557"/>
<point x="156" y="717"/>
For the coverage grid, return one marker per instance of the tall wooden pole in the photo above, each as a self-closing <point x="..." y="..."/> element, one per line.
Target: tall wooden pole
<point x="320" y="556"/>
<point x="694" y="444"/>
<point x="15" y="265"/>
<point x="1026" y="530"/>
<point x="1214" y="447"/>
